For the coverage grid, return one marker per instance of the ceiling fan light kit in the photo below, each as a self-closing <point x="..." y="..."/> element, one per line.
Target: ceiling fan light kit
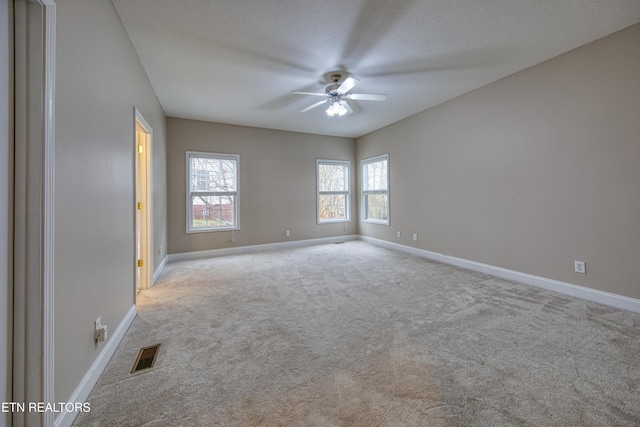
<point x="337" y="94"/>
<point x="336" y="109"/>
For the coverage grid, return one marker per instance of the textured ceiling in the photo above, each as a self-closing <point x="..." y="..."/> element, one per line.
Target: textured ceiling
<point x="237" y="61"/>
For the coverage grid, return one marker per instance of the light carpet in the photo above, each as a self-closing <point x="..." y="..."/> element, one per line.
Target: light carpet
<point x="358" y="335"/>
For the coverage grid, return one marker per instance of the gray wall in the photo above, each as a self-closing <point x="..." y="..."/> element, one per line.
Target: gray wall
<point x="277" y="183"/>
<point x="6" y="205"/>
<point x="99" y="80"/>
<point x="529" y="173"/>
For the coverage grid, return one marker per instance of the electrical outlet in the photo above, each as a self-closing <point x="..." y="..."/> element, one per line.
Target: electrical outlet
<point x="99" y="331"/>
<point x="398" y="234"/>
<point x="580" y="267"/>
<point x="415" y="236"/>
<point x="101" y="334"/>
<point x="160" y="250"/>
<point x="287" y="233"/>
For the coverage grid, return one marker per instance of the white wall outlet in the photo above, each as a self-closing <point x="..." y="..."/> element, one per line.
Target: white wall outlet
<point x="160" y="250"/>
<point x="287" y="233"/>
<point x="99" y="331"/>
<point x="415" y="236"/>
<point x="580" y="267"/>
<point x="398" y="234"/>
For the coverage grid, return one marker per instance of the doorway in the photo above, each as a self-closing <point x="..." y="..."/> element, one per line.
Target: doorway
<point x="143" y="260"/>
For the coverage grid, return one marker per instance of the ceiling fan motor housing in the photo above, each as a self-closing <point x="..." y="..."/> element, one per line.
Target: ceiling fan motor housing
<point x="332" y="89"/>
<point x="338" y="93"/>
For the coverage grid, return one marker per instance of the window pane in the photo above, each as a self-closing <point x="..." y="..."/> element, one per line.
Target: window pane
<point x="375" y="189"/>
<point x="332" y="177"/>
<point x="376" y="206"/>
<point x="333" y="190"/>
<point x="211" y="174"/>
<point x="375" y="175"/>
<point x="212" y="211"/>
<point x="333" y="206"/>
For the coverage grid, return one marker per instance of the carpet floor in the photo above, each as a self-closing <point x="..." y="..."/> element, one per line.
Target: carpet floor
<point x="358" y="335"/>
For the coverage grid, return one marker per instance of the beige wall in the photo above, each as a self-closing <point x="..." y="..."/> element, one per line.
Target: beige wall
<point x="277" y="183"/>
<point x="99" y="80"/>
<point x="529" y="173"/>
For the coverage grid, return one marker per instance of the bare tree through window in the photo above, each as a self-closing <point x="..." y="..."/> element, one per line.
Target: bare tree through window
<point x="375" y="189"/>
<point x="213" y="191"/>
<point x="333" y="190"/>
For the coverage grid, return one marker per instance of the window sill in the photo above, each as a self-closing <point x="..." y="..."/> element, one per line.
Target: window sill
<point x="333" y="221"/>
<point x="212" y="230"/>
<point x="372" y="221"/>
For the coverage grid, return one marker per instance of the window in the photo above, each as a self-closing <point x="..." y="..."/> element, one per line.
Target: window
<point x="333" y="191"/>
<point x="212" y="191"/>
<point x="375" y="189"/>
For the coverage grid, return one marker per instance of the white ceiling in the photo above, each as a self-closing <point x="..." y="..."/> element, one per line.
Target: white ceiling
<point x="236" y="61"/>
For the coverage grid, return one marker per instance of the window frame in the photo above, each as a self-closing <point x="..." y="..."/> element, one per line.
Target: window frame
<point x="190" y="193"/>
<point x="365" y="192"/>
<point x="346" y="192"/>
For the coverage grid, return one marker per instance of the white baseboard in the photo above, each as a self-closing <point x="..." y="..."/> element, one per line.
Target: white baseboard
<point x="81" y="393"/>
<point x="602" y="297"/>
<point x="65" y="419"/>
<point x="158" y="271"/>
<point x="606" y="298"/>
<point x="258" y="248"/>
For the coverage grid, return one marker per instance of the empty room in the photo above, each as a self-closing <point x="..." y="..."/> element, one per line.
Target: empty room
<point x="299" y="213"/>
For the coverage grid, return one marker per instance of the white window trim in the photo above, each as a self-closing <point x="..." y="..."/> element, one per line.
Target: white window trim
<point x="347" y="193"/>
<point x="236" y="221"/>
<point x="363" y="206"/>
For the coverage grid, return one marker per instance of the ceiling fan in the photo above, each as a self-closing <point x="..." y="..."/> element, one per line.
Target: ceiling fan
<point x="337" y="94"/>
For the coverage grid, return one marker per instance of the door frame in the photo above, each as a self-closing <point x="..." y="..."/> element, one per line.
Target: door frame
<point x="34" y="207"/>
<point x="143" y="194"/>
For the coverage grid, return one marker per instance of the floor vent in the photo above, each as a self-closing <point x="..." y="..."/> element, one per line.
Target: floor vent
<point x="146" y="358"/>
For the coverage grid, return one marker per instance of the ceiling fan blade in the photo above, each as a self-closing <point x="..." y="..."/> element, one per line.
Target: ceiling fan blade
<point x="310" y="93"/>
<point x="347" y="107"/>
<point x="310" y="107"/>
<point x="348" y="84"/>
<point x="368" y="97"/>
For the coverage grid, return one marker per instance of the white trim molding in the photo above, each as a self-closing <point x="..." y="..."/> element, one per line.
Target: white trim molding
<point x="34" y="206"/>
<point x="594" y="295"/>
<point x="49" y="206"/>
<point x="81" y="393"/>
<point x="345" y="191"/>
<point x="143" y="193"/>
<point x="156" y="274"/>
<point x="191" y="193"/>
<point x="240" y="250"/>
<point x="366" y="191"/>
